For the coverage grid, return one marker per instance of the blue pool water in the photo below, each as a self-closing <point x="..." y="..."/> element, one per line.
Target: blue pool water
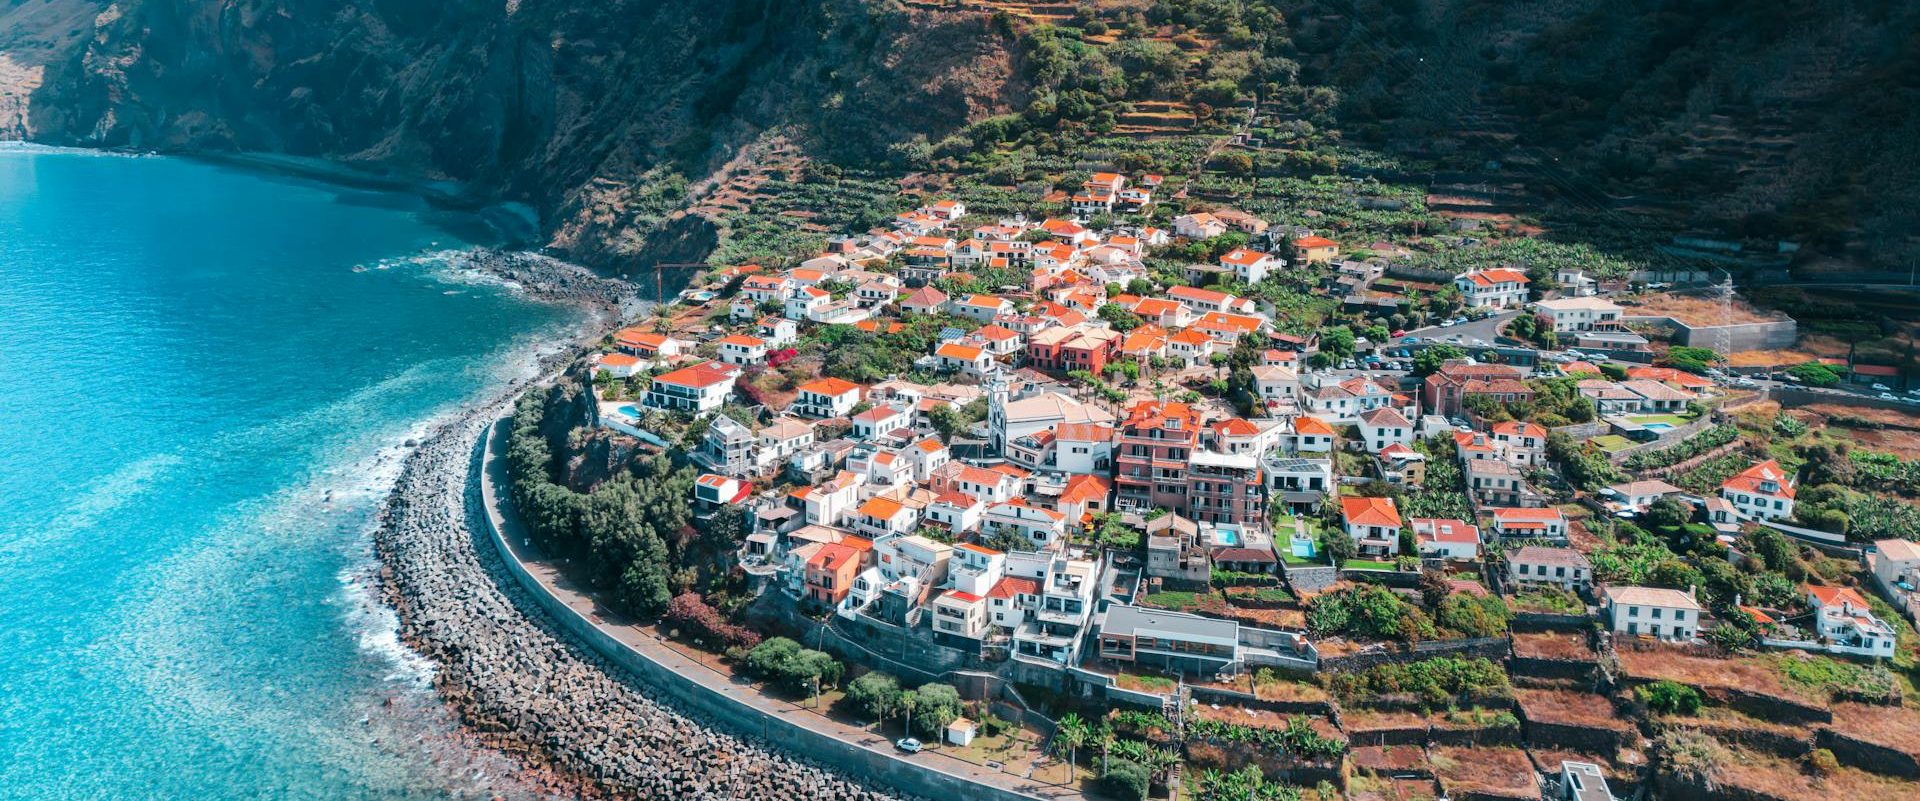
<point x="202" y="400"/>
<point x="1656" y="426"/>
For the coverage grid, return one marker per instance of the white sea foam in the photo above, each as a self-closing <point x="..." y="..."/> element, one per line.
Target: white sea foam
<point x="98" y="499"/>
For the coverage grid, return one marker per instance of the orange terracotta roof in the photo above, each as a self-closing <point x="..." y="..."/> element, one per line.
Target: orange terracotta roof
<point x="831" y="387"/>
<point x="1370" y="512"/>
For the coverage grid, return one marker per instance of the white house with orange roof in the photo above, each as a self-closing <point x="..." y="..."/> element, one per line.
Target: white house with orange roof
<point x="1208" y="300"/>
<point x="1250" y="266"/>
<point x="957" y="511"/>
<point x="742" y="350"/>
<point x="946" y="209"/>
<point x="1760" y="492"/>
<point x="1384" y="426"/>
<point x="1312" y="435"/>
<point x="766" y="288"/>
<point x="1524" y="523"/>
<point x="999" y="340"/>
<point x="829" y="501"/>
<point x="646" y="344"/>
<point x="1442" y="538"/>
<point x="712" y="491"/>
<point x="1500" y="288"/>
<point x="618" y="365"/>
<point x="974" y="568"/>
<point x="1226" y="327"/>
<point x="1040" y="527"/>
<point x="778" y="332"/>
<point x="1084" y="495"/>
<point x="698" y="388"/>
<point x="925" y="300"/>
<point x="1373" y="523"/>
<point x="1524" y="443"/>
<point x="1164" y="312"/>
<point x="1190" y="347"/>
<point x="880" y="421"/>
<point x="1846" y="623"/>
<point x="1276" y="384"/>
<point x="1198" y="226"/>
<point x="881" y="516"/>
<point x="804" y="302"/>
<point x="966" y="359"/>
<point x="991" y="486"/>
<point x="1082" y="448"/>
<point x="981" y="308"/>
<point x="826" y="397"/>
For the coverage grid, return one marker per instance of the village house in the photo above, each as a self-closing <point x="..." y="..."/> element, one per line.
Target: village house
<point x="1373" y="523"/>
<point x="1638" y="495"/>
<point x="1042" y="528"/>
<point x="1198" y="226"/>
<point x="1538" y="565"/>
<point x="698" y="388"/>
<point x="1207" y="300"/>
<point x="1579" y="313"/>
<point x="1382" y="427"/>
<point x="618" y="365"/>
<point x="1446" y="390"/>
<point x="805" y="302"/>
<point x="778" y="332"/>
<point x="880" y="421"/>
<point x="785" y="437"/>
<point x="1275" y="384"/>
<point x="1653" y="611"/>
<point x="1760" y="492"/>
<point x="1312" y="435"/>
<point x="647" y="345"/>
<point x="1402" y="466"/>
<point x="1524" y="443"/>
<point x="1190" y="348"/>
<point x="1151" y="455"/>
<point x="881" y="516"/>
<point x="1609" y="397"/>
<point x="1228" y="328"/>
<point x="1170" y="641"/>
<point x="826" y="397"/>
<point x="967" y="359"/>
<point x="1250" y="266"/>
<point x="742" y="350"/>
<point x="981" y="308"/>
<point x="1446" y="539"/>
<point x="1300" y="485"/>
<point x="925" y="300"/>
<point x="956" y="511"/>
<point x="1316" y="249"/>
<point x="1496" y="482"/>
<point x="830" y="573"/>
<point x="1658" y="397"/>
<point x="712" y="491"/>
<point x="1846" y="623"/>
<point x="1493" y="289"/>
<point x="1225" y="488"/>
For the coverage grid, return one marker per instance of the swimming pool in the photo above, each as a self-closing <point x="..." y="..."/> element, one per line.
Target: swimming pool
<point x="630" y="411"/>
<point x="1226" y="535"/>
<point x="1656" y="426"/>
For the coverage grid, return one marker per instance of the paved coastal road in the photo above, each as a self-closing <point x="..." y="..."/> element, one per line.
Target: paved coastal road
<point x="493" y="477"/>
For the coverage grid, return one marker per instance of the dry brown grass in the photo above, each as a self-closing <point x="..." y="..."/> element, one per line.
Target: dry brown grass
<point x="1569" y="708"/>
<point x="1790" y="780"/>
<point x="1698" y="310"/>
<point x="1746" y="674"/>
<point x="1552" y="645"/>
<point x="1368" y="720"/>
<point x="1390" y="759"/>
<point x="1503" y="772"/>
<point x="1894" y="727"/>
<point x="1887" y="417"/>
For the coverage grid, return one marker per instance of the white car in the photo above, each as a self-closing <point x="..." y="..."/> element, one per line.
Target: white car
<point x="908" y="744"/>
<point x="1881" y="388"/>
<point x="1447" y="323"/>
<point x="1888" y="396"/>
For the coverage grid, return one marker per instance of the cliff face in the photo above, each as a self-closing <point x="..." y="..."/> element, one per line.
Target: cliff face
<point x="580" y="109"/>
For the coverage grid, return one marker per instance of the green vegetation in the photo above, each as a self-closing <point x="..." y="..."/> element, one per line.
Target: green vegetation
<point x="1669" y="697"/>
<point x="1436" y="682"/>
<point x="619" y="531"/>
<point x="1125" y="780"/>
<point x="783" y="662"/>
<point x="877" y="695"/>
<point x="1550" y="599"/>
<point x="1370" y="611"/>
<point x="1815" y="374"/>
<point x="1687" y="449"/>
<point x="1834" y="677"/>
<point x="1298" y="738"/>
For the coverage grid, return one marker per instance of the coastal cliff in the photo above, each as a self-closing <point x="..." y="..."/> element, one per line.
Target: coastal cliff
<point x="576" y="109"/>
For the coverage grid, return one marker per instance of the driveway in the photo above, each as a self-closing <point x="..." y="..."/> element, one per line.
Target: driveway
<point x="1487" y="329"/>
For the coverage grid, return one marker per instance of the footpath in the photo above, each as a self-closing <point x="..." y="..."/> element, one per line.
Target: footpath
<point x="700" y="686"/>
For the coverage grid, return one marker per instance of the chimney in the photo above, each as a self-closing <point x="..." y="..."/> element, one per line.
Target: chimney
<point x="1690" y="591"/>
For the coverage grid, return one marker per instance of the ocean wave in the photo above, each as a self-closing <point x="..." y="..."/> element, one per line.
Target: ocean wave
<point x="96" y="500"/>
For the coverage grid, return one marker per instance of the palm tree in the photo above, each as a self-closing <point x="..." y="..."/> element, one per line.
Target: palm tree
<point x="1070" y="734"/>
<point x="1104" y="736"/>
<point x="909" y="700"/>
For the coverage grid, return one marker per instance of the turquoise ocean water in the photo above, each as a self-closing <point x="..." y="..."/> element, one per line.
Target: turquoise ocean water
<point x="200" y="406"/>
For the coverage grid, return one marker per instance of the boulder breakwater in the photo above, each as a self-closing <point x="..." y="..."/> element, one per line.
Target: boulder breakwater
<point x="517" y="681"/>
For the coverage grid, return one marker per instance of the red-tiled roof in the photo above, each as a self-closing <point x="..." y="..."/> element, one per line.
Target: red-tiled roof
<point x="1370" y="512"/>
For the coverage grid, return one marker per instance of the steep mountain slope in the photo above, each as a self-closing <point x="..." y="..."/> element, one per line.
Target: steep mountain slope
<point x="1745" y="118"/>
<point x="564" y="105"/>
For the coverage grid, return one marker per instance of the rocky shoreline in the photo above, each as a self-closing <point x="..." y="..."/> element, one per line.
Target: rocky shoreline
<point x="579" y="725"/>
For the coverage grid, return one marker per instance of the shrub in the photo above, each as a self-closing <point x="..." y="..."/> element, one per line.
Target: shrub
<point x="1434" y="681"/>
<point x="693" y="615"/>
<point x="783" y="661"/>
<point x="1126" y="780"/>
<point x="1823" y="761"/>
<point x="876" y="694"/>
<point x="1669" y="696"/>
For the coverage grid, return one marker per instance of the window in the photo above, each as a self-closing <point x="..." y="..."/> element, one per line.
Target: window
<point x="1656" y="613"/>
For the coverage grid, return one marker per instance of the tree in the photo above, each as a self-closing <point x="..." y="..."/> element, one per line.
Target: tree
<point x="935" y="706"/>
<point x="945" y="420"/>
<point x="1119" y="317"/>
<point x="1126" y="780"/>
<point x="1668" y="513"/>
<point x="876" y="694"/>
<point x="1337" y="343"/>
<point x="1068" y="735"/>
<point x="1428" y="362"/>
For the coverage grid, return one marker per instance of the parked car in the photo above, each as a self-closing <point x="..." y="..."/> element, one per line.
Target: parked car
<point x="1882" y="388"/>
<point x="908" y="744"/>
<point x="1888" y="396"/>
<point x="1448" y="323"/>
